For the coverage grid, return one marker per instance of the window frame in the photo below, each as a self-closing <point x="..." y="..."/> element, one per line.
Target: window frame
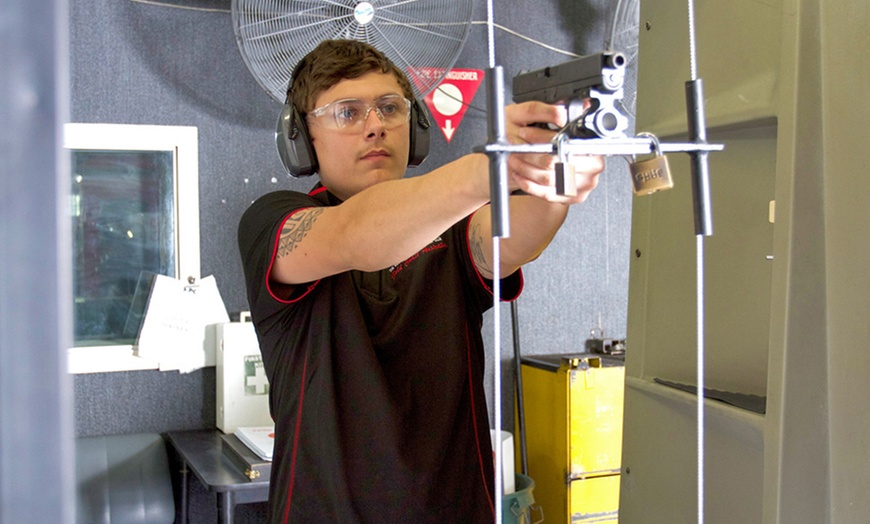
<point x="182" y="141"/>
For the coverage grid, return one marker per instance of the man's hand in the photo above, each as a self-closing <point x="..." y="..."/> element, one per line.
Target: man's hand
<point x="535" y="173"/>
<point x="536" y="218"/>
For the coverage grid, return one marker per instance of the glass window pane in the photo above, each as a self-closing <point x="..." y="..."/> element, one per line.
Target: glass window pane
<point x="123" y="219"/>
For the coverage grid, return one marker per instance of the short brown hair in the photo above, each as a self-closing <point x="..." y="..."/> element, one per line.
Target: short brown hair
<point x="333" y="61"/>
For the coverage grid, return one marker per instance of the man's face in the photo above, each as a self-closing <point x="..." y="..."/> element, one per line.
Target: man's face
<point x="353" y="159"/>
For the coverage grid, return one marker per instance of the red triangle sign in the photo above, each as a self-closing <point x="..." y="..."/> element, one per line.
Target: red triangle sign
<point x="447" y="102"/>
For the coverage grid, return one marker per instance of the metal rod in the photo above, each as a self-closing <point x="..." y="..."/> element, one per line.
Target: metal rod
<point x="498" y="184"/>
<point x="601" y="146"/>
<point x="699" y="164"/>
<point x="521" y="413"/>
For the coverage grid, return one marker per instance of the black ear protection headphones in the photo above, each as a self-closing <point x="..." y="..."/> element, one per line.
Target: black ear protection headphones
<point x="297" y="152"/>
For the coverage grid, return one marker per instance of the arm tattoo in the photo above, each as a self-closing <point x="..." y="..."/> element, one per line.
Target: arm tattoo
<point x="295" y="229"/>
<point x="480" y="259"/>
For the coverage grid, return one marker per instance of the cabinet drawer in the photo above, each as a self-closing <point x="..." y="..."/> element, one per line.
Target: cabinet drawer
<point x="594" y="499"/>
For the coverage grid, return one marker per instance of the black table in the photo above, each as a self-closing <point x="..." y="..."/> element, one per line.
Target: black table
<point x="201" y="451"/>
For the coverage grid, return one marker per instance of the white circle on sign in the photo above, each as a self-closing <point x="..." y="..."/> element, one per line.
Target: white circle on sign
<point x="447" y="99"/>
<point x="364" y="12"/>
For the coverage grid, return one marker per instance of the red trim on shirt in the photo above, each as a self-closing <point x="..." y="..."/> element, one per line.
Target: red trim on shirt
<point x="296" y="441"/>
<point x="480" y="456"/>
<point x="272" y="264"/>
<point x="483" y="281"/>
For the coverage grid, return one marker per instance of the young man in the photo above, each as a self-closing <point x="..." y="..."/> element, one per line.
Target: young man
<point x="368" y="295"/>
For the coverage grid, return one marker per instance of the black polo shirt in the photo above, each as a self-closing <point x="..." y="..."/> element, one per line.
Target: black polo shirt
<point x="376" y="381"/>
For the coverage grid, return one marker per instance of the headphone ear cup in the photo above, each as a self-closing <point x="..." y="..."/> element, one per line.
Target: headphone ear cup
<point x="419" y="134"/>
<point x="293" y="143"/>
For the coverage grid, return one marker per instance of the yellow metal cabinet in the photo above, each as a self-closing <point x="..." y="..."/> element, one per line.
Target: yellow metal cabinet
<point x="573" y="414"/>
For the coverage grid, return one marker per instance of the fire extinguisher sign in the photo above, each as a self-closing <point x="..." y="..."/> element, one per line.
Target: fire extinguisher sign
<point x="449" y="100"/>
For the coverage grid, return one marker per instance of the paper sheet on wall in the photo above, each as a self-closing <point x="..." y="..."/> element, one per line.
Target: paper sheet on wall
<point x="173" y="331"/>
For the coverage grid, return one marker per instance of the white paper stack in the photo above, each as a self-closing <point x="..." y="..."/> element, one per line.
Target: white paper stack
<point x="173" y="330"/>
<point x="261" y="439"/>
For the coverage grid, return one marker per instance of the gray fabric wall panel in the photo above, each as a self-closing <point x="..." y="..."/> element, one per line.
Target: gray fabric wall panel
<point x="140" y="63"/>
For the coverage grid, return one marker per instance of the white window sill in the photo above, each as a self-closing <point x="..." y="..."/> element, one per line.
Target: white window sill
<point x="105" y="359"/>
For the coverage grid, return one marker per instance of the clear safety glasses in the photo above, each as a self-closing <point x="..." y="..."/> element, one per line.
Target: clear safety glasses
<point x="350" y="113"/>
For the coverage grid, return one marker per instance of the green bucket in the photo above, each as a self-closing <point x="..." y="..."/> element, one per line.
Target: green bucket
<point x="516" y="508"/>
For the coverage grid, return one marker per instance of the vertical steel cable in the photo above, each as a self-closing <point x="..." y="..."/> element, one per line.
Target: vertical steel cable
<point x="700" y="371"/>
<point x="693" y="65"/>
<point x="693" y="75"/>
<point x="490" y="33"/>
<point x="496" y="299"/>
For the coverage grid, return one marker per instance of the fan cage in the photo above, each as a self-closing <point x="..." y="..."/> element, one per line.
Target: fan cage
<point x="422" y="37"/>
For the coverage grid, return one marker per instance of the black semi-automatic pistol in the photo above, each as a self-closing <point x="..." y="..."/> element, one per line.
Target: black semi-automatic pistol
<point x="598" y="77"/>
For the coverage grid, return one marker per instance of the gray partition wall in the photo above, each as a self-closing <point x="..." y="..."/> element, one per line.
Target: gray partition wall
<point x="36" y="464"/>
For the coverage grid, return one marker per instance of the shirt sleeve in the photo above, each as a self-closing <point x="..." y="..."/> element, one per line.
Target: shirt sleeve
<point x="258" y="235"/>
<point x="510" y="285"/>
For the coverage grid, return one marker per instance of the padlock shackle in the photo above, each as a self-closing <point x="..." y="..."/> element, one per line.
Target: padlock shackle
<point x="655" y="145"/>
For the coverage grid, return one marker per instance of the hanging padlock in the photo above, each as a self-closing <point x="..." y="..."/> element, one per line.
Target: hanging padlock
<point x="652" y="174"/>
